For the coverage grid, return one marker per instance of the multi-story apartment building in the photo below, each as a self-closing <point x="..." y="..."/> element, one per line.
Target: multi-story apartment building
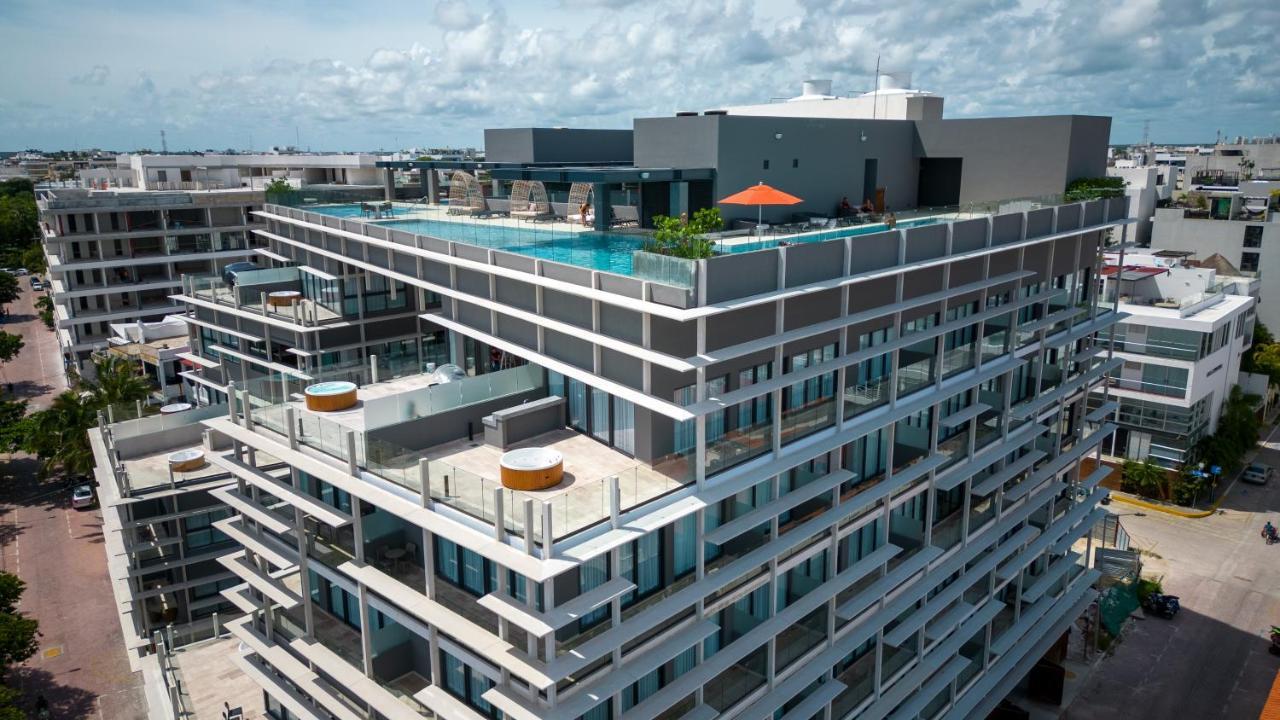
<point x="1238" y="225"/>
<point x="117" y="256"/>
<point x="118" y="247"/>
<point x="836" y="475"/>
<point x="1181" y="344"/>
<point x="251" y="171"/>
<point x="160" y="499"/>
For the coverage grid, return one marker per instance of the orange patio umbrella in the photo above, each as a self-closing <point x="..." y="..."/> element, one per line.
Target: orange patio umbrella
<point x="761" y="195"/>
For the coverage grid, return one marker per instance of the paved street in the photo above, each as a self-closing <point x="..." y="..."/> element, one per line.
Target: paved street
<point x="1212" y="660"/>
<point x="37" y="372"/>
<point x="81" y="667"/>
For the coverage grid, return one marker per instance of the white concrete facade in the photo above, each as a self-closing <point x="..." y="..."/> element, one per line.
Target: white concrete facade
<point x="1181" y="345"/>
<point x="116" y="256"/>
<point x="1250" y="245"/>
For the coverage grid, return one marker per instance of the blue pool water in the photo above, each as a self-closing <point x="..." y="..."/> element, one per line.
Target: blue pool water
<point x="607" y="251"/>
<point x="345" y="210"/>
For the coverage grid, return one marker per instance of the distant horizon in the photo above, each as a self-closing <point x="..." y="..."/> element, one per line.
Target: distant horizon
<point x="437" y="73"/>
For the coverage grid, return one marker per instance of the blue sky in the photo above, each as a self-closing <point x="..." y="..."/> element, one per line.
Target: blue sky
<point x="384" y="75"/>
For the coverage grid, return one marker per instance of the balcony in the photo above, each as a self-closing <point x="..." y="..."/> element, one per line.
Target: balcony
<point x="1220" y="178"/>
<point x="314" y="306"/>
<point x="463" y="474"/>
<point x="1151" y="388"/>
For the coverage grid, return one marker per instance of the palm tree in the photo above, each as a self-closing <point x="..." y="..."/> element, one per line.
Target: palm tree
<point x="116" y="382"/>
<point x="59" y="435"/>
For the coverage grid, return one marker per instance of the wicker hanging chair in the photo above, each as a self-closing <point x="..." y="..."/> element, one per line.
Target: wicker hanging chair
<point x="465" y="195"/>
<point x="529" y="200"/>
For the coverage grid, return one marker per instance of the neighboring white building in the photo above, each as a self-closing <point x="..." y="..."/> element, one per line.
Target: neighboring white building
<point x="118" y="246"/>
<point x="157" y="348"/>
<point x="1181" y="343"/>
<point x="116" y="256"/>
<point x="1240" y="226"/>
<point x="893" y="99"/>
<point x="221" y="172"/>
<point x="1145" y="186"/>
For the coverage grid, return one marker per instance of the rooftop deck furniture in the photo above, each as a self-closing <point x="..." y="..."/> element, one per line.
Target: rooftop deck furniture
<point x="330" y="396"/>
<point x="529" y="200"/>
<point x="465" y="195"/>
<point x="532" y="468"/>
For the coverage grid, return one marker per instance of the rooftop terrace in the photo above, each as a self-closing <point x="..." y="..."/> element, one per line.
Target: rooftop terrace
<point x="555" y="238"/>
<point x="463" y="472"/>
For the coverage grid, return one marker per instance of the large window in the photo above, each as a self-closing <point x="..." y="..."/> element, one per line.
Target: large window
<point x="867" y="383"/>
<point x="809" y="405"/>
<point x="201" y="536"/>
<point x="465" y="568"/>
<point x="641" y="563"/>
<point x="609" y="419"/>
<point x="464" y="683"/>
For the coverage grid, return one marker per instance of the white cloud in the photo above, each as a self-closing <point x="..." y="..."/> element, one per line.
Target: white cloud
<point x="97" y="75"/>
<point x="602" y="62"/>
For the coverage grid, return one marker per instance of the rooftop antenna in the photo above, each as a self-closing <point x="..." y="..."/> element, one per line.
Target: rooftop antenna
<point x="297" y="137"/>
<point x="1146" y="132"/>
<point x="164" y="144"/>
<point x="875" y="94"/>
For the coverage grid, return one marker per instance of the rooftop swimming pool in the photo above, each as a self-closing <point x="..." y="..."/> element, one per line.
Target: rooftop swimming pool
<point x="606" y="251"/>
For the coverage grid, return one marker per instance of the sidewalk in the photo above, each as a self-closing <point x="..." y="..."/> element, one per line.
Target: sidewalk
<point x="1269" y="442"/>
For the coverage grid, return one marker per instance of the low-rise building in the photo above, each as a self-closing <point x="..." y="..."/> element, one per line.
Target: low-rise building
<point x="156" y="348"/>
<point x="1181" y="343"/>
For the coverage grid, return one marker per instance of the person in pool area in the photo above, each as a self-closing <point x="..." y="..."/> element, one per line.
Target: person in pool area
<point x="583" y="209"/>
<point x="889" y="218"/>
<point x="845" y="209"/>
<point x="867" y="206"/>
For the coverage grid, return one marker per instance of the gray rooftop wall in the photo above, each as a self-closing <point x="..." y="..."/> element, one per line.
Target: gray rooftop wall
<point x="1016" y="157"/>
<point x="557" y="145"/>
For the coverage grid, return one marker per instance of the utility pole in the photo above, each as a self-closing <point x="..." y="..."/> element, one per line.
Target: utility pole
<point x="875" y="93"/>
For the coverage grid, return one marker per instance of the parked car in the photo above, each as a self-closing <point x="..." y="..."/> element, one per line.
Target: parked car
<point x="36" y="284"/>
<point x="82" y="496"/>
<point x="19" y="272"/>
<point x="1257" y="474"/>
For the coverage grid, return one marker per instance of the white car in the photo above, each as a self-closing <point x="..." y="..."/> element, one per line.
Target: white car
<point x="1257" y="474"/>
<point x="82" y="496"/>
<point x="19" y="272"/>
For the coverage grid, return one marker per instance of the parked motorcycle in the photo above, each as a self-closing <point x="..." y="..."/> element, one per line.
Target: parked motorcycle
<point x="1165" y="606"/>
<point x="1274" y="649"/>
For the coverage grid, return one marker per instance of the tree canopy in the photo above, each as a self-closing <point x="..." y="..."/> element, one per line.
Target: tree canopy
<point x="10" y="346"/>
<point x="9" y="288"/>
<point x="1095" y="188"/>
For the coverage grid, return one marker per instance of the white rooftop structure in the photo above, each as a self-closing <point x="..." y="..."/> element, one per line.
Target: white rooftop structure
<point x="893" y="99"/>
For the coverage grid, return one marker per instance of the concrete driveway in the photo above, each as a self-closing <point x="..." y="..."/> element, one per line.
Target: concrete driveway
<point x="1212" y="660"/>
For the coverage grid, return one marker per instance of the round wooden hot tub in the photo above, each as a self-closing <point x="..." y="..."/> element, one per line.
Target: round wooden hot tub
<point x="283" y="298"/>
<point x="531" y="469"/>
<point x="186" y="460"/>
<point x="330" y="396"/>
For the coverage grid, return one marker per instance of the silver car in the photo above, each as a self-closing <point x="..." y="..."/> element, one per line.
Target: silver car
<point x="1257" y="474"/>
<point x="82" y="496"/>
